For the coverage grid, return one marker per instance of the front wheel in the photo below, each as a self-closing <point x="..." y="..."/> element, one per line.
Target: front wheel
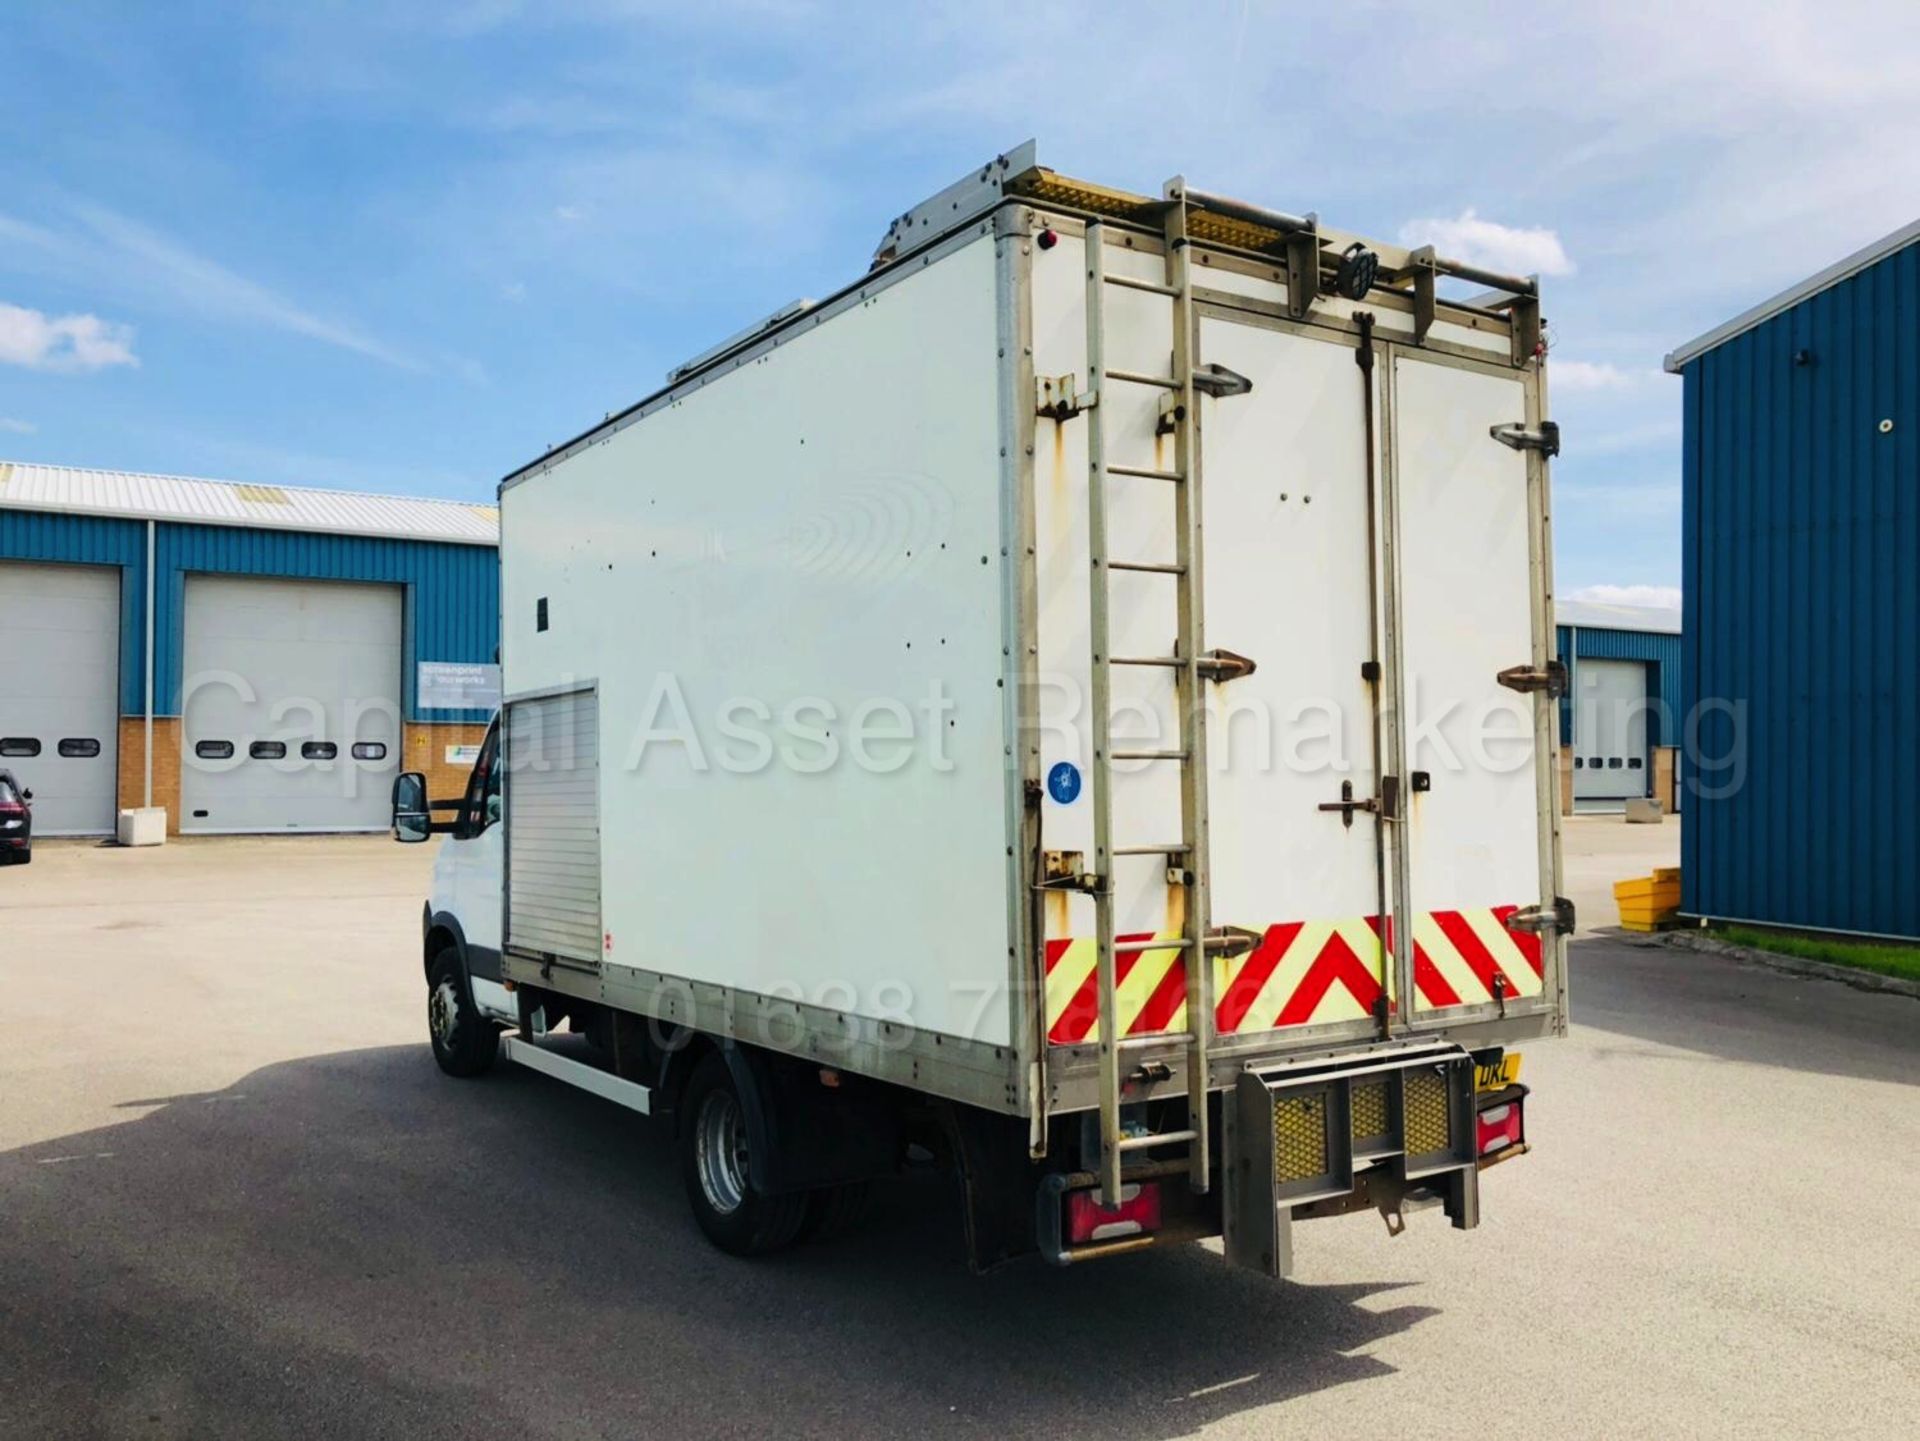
<point x="716" y="1166"/>
<point x="464" y="1041"/>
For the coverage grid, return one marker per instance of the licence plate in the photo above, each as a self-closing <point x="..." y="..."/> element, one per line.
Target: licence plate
<point x="1502" y="1073"/>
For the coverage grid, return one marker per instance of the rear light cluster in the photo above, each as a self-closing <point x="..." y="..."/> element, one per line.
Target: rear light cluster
<point x="1137" y="1214"/>
<point x="1501" y="1126"/>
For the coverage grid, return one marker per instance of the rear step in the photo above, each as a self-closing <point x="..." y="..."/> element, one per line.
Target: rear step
<point x="1393" y="1120"/>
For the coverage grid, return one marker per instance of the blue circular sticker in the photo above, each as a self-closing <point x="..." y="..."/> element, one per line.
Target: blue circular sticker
<point x="1063" y="783"/>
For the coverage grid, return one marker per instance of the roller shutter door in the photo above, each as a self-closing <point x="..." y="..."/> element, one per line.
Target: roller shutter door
<point x="553" y="826"/>
<point x="290" y="704"/>
<point x="59" y="682"/>
<point x="1610" y="760"/>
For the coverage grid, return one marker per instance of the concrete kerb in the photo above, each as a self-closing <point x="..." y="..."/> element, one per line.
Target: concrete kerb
<point x="1860" y="980"/>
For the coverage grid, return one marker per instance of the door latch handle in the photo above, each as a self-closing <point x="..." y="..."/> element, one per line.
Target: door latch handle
<point x="1386" y="805"/>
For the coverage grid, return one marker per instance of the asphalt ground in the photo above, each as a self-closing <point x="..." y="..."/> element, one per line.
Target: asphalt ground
<point x="238" y="1199"/>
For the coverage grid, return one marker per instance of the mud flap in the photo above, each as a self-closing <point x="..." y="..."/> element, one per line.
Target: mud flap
<point x="998" y="1183"/>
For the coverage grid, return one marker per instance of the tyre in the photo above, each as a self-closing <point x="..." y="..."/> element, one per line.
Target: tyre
<point x="464" y="1041"/>
<point x="715" y="1166"/>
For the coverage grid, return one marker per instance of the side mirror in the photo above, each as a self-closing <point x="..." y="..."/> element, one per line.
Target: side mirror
<point x="26" y="795"/>
<point x="411" y="820"/>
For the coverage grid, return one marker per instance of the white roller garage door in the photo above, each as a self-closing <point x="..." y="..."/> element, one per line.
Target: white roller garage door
<point x="290" y="704"/>
<point x="59" y="678"/>
<point x="1610" y="731"/>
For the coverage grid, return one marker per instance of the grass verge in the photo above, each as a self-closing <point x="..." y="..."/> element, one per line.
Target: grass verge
<point x="1886" y="958"/>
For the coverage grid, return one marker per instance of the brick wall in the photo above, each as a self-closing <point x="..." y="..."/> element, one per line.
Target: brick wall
<point x="166" y="765"/>
<point x="426" y="750"/>
<point x="1663" y="777"/>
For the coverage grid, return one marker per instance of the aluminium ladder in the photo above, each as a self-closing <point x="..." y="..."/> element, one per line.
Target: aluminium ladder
<point x="1186" y="860"/>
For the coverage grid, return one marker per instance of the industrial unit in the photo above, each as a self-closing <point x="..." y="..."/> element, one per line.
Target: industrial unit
<point x="1802" y="601"/>
<point x="252" y="658"/>
<point x="1620" y="720"/>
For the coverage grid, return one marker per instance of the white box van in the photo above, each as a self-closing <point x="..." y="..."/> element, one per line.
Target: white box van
<point x="1076" y="704"/>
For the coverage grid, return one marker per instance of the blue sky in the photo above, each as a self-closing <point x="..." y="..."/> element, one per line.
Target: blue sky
<point x="405" y="246"/>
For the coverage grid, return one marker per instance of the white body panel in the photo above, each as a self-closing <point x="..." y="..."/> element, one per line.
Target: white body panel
<point x="297" y="666"/>
<point x="1610" y="730"/>
<point x="746" y="569"/>
<point x="59" y="679"/>
<point x="755" y="577"/>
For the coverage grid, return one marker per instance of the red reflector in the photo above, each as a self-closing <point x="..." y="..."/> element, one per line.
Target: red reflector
<point x="1500" y="1127"/>
<point x="1137" y="1214"/>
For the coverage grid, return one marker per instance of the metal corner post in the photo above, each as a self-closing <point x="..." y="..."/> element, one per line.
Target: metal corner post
<point x="146" y="794"/>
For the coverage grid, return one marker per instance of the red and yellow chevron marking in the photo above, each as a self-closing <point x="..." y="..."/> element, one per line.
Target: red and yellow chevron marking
<point x="1457" y="955"/>
<point x="1149" y="994"/>
<point x="1301" y="973"/>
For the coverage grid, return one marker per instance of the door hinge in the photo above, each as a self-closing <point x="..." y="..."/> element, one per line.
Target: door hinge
<point x="1544" y="438"/>
<point x="1529" y="679"/>
<point x="1539" y="919"/>
<point x="1216" y="380"/>
<point x="1055" y="397"/>
<point x="1067" y="871"/>
<point x="1224" y="665"/>
<point x="1231" y="941"/>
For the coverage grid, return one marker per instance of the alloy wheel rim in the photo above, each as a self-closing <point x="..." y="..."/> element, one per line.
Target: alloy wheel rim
<point x="720" y="1152"/>
<point x="443" y="1010"/>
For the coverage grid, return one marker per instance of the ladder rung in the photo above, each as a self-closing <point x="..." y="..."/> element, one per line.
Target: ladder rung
<point x="1159" y="1138"/>
<point x="1129" y="283"/>
<point x="1146" y="473"/>
<point x="1147" y="567"/>
<point x="1174" y="850"/>
<point x="1135" y="377"/>
<point x="1149" y="755"/>
<point x="1129" y="948"/>
<point x="1172" y="662"/>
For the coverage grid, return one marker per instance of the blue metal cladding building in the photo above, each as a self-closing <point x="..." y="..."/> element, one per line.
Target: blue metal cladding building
<point x="277" y="587"/>
<point x="1802" y="602"/>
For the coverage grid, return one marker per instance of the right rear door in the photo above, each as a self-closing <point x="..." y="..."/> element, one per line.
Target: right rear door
<point x="1342" y="545"/>
<point x="1477" y="832"/>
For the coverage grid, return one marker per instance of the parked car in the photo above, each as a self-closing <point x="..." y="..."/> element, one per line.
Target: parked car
<point x="16" y="822"/>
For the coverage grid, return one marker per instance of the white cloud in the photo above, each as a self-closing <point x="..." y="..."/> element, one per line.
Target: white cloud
<point x="1516" y="250"/>
<point x="109" y="251"/>
<point x="70" y="343"/>
<point x="1663" y="435"/>
<point x="214" y="290"/>
<point x="1664" y="596"/>
<point x="1595" y="375"/>
<point x="17" y="427"/>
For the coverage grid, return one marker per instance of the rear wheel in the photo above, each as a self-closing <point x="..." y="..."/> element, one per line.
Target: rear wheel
<point x="464" y="1041"/>
<point x="716" y="1166"/>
